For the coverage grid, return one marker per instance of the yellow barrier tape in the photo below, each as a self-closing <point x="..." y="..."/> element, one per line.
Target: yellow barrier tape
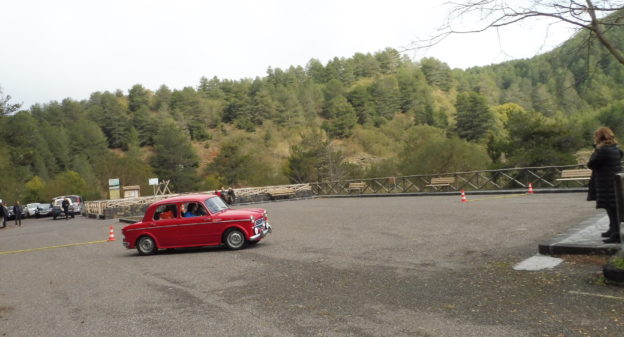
<point x="51" y="247"/>
<point x="498" y="197"/>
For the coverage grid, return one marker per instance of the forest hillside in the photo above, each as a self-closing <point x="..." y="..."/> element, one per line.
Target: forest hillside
<point x="369" y="115"/>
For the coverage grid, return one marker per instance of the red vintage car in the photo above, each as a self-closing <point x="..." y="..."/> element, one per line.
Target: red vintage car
<point x="195" y="220"/>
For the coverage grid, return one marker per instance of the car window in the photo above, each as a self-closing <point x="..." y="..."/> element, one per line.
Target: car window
<point x="192" y="209"/>
<point x="168" y="211"/>
<point x="201" y="210"/>
<point x="215" y="205"/>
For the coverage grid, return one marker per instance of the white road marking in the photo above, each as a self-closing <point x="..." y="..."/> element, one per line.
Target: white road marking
<point x="538" y="262"/>
<point x="597" y="295"/>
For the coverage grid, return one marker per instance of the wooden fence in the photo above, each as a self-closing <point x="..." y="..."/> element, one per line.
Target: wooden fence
<point x="486" y="180"/>
<point x="503" y="179"/>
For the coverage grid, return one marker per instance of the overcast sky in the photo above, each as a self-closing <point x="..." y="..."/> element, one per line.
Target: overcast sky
<point x="52" y="50"/>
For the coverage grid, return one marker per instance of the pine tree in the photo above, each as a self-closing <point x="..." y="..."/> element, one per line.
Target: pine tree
<point x="473" y="116"/>
<point x="174" y="157"/>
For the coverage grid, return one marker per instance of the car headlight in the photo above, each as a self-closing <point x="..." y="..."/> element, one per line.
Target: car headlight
<point x="252" y="219"/>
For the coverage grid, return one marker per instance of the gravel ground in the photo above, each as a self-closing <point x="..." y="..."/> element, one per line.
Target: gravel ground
<point x="404" y="266"/>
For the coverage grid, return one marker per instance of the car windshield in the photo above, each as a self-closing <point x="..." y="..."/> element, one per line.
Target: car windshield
<point x="215" y="205"/>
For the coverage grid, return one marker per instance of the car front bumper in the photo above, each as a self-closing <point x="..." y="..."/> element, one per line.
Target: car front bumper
<point x="262" y="234"/>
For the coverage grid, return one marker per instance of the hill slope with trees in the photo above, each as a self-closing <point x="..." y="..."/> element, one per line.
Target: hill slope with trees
<point x="370" y="115"/>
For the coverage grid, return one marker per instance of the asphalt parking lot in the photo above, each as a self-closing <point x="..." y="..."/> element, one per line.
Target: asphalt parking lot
<point x="401" y="266"/>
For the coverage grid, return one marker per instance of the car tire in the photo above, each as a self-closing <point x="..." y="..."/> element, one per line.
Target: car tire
<point x="234" y="239"/>
<point x="146" y="245"/>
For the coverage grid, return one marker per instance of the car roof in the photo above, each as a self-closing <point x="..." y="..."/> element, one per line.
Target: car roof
<point x="67" y="196"/>
<point x="200" y="197"/>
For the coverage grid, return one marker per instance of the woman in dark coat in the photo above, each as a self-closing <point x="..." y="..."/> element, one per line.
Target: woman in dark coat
<point x="605" y="162"/>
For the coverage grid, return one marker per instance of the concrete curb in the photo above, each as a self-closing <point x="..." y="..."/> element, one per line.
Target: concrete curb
<point x="128" y="220"/>
<point x="582" y="239"/>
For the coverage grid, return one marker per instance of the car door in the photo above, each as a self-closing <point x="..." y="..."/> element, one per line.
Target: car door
<point x="213" y="227"/>
<point x="165" y="226"/>
<point x="193" y="227"/>
<point x="205" y="230"/>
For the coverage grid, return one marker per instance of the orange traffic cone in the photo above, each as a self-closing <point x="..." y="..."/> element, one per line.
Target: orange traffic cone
<point x="463" y="196"/>
<point x="530" y="188"/>
<point x="111" y="235"/>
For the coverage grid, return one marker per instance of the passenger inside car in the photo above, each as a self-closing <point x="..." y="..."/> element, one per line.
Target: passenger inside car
<point x="169" y="212"/>
<point x="191" y="211"/>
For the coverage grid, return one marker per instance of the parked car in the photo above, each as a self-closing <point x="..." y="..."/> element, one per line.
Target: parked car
<point x="209" y="222"/>
<point x="57" y="209"/>
<point x="31" y="209"/>
<point x="43" y="210"/>
<point x="76" y="202"/>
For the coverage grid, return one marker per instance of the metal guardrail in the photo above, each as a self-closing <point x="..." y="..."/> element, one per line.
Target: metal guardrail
<point x="503" y="179"/>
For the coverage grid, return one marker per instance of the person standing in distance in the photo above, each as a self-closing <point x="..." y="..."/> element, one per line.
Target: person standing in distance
<point x="17" y="212"/>
<point x="65" y="205"/>
<point x="605" y="162"/>
<point x="4" y="213"/>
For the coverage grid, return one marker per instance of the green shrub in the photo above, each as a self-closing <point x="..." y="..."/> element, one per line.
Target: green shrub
<point x="618" y="262"/>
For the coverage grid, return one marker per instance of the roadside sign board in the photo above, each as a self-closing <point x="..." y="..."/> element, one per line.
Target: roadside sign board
<point x="113" y="183"/>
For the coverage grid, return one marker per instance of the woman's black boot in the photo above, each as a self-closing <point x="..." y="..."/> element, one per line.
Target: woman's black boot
<point x="614" y="238"/>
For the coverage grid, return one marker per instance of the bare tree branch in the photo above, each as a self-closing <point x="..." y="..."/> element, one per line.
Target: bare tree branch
<point x="588" y="15"/>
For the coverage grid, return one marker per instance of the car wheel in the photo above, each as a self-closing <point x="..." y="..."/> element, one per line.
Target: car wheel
<point x="146" y="245"/>
<point x="235" y="239"/>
